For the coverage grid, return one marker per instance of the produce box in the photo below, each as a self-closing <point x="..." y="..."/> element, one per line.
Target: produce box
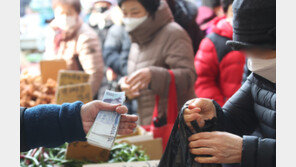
<point x="86" y="152"/>
<point x="127" y="164"/>
<point x="146" y="142"/>
<point x="50" y="69"/>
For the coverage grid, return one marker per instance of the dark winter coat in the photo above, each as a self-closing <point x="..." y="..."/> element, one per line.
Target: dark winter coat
<point x="116" y="49"/>
<point x="247" y="72"/>
<point x="219" y="69"/>
<point x="252" y="108"/>
<point x="50" y="125"/>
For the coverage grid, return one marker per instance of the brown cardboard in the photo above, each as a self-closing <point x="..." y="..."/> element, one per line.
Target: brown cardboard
<point x="70" y="77"/>
<point x="86" y="152"/>
<point x="80" y="150"/>
<point x="127" y="164"/>
<point x="72" y="93"/>
<point x="50" y="68"/>
<point x="152" y="147"/>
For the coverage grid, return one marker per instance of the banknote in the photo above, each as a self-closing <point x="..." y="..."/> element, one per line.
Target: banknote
<point x="104" y="130"/>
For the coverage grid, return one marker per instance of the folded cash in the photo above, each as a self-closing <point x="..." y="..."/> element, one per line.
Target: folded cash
<point x="104" y="130"/>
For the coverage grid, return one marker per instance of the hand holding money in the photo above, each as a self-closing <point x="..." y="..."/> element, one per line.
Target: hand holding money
<point x="108" y="124"/>
<point x="90" y="111"/>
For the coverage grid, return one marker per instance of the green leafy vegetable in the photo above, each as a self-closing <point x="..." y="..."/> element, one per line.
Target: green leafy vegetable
<point x="49" y="157"/>
<point x="124" y="152"/>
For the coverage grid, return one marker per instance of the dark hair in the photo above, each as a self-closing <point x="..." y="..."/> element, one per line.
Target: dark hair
<point x="211" y="3"/>
<point x="150" y="5"/>
<point x="75" y="4"/>
<point x="225" y="4"/>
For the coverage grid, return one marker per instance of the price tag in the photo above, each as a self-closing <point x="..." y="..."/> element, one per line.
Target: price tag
<point x="72" y="93"/>
<point x="70" y="77"/>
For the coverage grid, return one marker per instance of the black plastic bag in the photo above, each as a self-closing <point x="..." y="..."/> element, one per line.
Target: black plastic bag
<point x="177" y="152"/>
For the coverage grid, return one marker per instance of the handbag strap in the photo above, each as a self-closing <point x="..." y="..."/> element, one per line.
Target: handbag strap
<point x="172" y="105"/>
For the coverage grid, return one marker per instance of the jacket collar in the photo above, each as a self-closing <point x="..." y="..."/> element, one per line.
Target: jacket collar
<point x="147" y="30"/>
<point x="262" y="82"/>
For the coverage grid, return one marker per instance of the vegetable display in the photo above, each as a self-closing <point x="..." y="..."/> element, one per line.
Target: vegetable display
<point x="54" y="157"/>
<point x="123" y="152"/>
<point x="33" y="92"/>
<point x="48" y="157"/>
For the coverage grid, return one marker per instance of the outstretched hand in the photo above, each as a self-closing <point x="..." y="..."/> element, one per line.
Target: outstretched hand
<point x="90" y="111"/>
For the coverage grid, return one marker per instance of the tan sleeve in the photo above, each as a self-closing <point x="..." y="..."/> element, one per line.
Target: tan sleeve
<point x="90" y="57"/>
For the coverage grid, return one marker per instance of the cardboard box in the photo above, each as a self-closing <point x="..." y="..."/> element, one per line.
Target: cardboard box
<point x="152" y="147"/>
<point x="86" y="152"/>
<point x="70" y="77"/>
<point x="50" y="68"/>
<point x="127" y="164"/>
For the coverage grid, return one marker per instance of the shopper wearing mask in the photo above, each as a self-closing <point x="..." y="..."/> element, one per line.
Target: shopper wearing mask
<point x="75" y="42"/>
<point x="158" y="45"/>
<point x="253" y="107"/>
<point x="100" y="18"/>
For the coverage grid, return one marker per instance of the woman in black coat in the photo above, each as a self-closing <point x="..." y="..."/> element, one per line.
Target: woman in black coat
<point x="247" y="122"/>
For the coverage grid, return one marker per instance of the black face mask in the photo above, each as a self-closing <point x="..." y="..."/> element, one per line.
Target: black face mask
<point x="101" y="9"/>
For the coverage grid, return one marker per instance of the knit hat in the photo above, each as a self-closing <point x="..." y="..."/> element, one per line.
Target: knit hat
<point x="254" y="24"/>
<point x="150" y="5"/>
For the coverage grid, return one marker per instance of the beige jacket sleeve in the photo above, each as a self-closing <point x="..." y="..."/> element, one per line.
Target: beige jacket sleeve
<point x="179" y="57"/>
<point x="90" y="57"/>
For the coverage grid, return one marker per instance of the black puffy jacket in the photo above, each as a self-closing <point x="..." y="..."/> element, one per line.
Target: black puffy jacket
<point x="252" y="108"/>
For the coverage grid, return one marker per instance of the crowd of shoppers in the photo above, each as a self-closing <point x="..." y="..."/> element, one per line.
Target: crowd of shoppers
<point x="144" y="43"/>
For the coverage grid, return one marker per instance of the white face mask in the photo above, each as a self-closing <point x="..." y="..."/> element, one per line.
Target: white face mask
<point x="65" y="22"/>
<point x="263" y="67"/>
<point x="100" y="19"/>
<point x="133" y="23"/>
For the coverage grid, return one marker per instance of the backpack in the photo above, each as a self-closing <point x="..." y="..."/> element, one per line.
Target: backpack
<point x="220" y="45"/>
